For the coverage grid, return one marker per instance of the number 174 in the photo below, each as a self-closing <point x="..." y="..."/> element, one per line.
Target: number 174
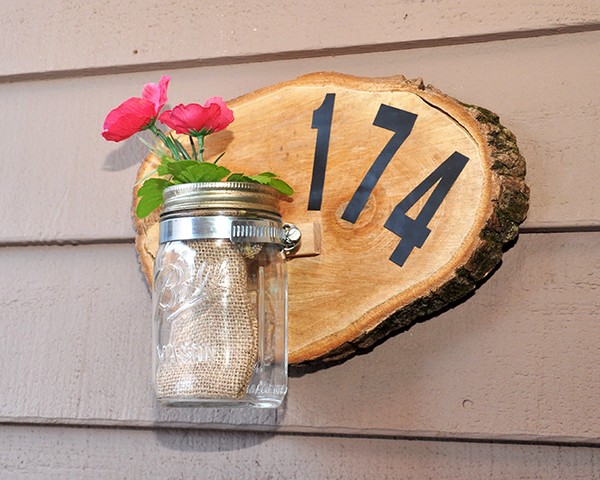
<point x="412" y="232"/>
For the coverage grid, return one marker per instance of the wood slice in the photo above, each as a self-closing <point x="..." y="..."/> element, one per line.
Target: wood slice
<point x="353" y="292"/>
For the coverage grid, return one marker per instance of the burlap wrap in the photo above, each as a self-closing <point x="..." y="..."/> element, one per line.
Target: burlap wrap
<point x="218" y="334"/>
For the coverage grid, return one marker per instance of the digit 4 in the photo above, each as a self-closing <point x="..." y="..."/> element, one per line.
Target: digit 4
<point x="414" y="232"/>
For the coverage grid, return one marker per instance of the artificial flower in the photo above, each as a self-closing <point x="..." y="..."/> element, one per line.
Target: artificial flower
<point x="195" y="119"/>
<point x="136" y="114"/>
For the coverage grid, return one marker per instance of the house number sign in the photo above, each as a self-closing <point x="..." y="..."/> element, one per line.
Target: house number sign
<point x="409" y="194"/>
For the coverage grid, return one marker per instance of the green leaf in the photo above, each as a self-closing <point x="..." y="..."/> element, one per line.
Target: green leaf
<point x="179" y="171"/>
<point x="190" y="171"/>
<point x="150" y="194"/>
<point x="240" y="177"/>
<point x="178" y="166"/>
<point x="153" y="185"/>
<point x="187" y="175"/>
<point x="213" y="173"/>
<point x="263" y="178"/>
<point x="163" y="168"/>
<point x="209" y="172"/>
<point x="281" y="186"/>
<point x="147" y="204"/>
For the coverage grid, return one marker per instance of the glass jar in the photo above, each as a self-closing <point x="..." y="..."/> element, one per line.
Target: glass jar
<point x="220" y="297"/>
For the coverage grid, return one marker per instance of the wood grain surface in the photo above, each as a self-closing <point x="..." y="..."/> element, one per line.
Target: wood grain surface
<point x="333" y="311"/>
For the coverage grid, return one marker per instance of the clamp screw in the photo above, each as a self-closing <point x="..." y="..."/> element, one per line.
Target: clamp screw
<point x="292" y="237"/>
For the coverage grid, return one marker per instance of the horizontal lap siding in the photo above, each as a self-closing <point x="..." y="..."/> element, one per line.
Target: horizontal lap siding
<point x="516" y="361"/>
<point x="43" y="453"/>
<point x="69" y="184"/>
<point x="73" y="35"/>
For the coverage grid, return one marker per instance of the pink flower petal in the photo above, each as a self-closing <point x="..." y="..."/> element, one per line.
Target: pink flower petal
<point x="157" y="94"/>
<point x="225" y="116"/>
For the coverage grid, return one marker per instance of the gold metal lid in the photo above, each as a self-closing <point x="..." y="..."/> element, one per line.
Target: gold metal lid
<point x="220" y="196"/>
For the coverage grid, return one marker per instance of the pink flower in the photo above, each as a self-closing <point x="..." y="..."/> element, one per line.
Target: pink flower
<point x="136" y="114"/>
<point x="193" y="119"/>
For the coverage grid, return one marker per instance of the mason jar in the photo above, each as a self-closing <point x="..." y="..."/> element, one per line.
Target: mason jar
<point x="220" y="297"/>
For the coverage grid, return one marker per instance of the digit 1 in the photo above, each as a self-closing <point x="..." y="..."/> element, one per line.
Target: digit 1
<point x="321" y="120"/>
<point x="401" y="123"/>
<point x="413" y="233"/>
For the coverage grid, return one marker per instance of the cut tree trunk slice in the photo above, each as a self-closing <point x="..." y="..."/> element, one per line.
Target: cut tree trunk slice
<point x="412" y="197"/>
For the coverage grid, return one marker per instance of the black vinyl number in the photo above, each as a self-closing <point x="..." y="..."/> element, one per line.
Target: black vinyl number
<point x="321" y="120"/>
<point x="412" y="232"/>
<point x="401" y="123"/>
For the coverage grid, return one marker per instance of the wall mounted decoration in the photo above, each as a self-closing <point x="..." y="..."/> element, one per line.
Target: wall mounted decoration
<point x="405" y="196"/>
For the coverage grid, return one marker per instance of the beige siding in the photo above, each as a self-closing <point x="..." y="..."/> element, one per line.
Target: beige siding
<point x="46" y="453"/>
<point x="517" y="362"/>
<point x="73" y="35"/>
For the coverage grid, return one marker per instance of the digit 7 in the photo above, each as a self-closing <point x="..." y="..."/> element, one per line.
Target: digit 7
<point x="401" y="123"/>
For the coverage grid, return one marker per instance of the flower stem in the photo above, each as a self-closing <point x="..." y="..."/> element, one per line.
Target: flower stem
<point x="166" y="140"/>
<point x="182" y="151"/>
<point x="201" y="147"/>
<point x="193" y="147"/>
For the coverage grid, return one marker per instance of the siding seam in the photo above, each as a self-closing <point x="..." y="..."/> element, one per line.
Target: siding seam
<point x="300" y="54"/>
